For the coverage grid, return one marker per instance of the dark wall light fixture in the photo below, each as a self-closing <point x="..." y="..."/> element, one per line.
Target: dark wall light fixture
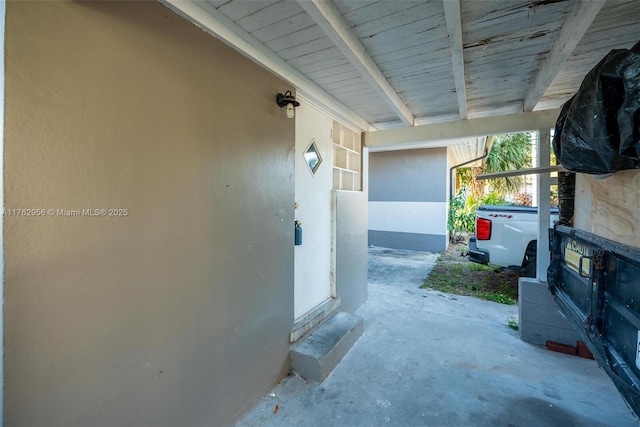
<point x="288" y="101"/>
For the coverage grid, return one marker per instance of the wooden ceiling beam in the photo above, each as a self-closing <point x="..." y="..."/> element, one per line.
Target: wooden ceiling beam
<point x="462" y="129"/>
<point x="575" y="26"/>
<point x="454" y="29"/>
<point x="329" y="19"/>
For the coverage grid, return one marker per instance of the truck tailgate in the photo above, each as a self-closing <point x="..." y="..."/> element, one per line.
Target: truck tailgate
<point x="596" y="283"/>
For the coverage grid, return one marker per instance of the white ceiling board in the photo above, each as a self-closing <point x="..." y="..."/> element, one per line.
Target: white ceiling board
<point x="366" y="28"/>
<point x="484" y="19"/>
<point x="321" y="73"/>
<point x="373" y="11"/>
<point x="316" y="57"/>
<point x="237" y="9"/>
<point x="217" y="3"/>
<point x="284" y="27"/>
<point x="422" y="61"/>
<point x="354" y="85"/>
<point x="399" y="55"/>
<point x="304" y="49"/>
<point x="573" y="28"/>
<point x="327" y="17"/>
<point x="505" y="44"/>
<point x="412" y="34"/>
<point x="617" y="26"/>
<point x="295" y="38"/>
<point x="274" y="12"/>
<point x="348" y="6"/>
<point x="327" y="64"/>
<point x="217" y="24"/>
<point x="334" y="78"/>
<point x="467" y="150"/>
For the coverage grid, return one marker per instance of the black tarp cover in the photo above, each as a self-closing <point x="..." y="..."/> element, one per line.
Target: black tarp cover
<point x="598" y="130"/>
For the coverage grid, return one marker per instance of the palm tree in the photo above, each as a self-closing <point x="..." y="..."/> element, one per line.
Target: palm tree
<point x="508" y="152"/>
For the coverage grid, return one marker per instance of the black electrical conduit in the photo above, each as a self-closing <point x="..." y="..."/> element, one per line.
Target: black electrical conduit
<point x="452" y="168"/>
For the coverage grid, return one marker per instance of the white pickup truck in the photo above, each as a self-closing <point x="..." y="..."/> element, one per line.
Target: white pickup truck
<point x="506" y="236"/>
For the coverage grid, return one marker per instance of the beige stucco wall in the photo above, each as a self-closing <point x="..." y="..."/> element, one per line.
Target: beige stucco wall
<point x="179" y="312"/>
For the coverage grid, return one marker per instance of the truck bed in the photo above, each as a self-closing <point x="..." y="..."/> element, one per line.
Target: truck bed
<point x="596" y="283"/>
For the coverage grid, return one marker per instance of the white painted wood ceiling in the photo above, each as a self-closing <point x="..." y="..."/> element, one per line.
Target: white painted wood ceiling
<point x="396" y="63"/>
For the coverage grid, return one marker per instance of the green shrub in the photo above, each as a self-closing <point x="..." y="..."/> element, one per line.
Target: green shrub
<point x="460" y="217"/>
<point x="493" y="198"/>
<point x="462" y="210"/>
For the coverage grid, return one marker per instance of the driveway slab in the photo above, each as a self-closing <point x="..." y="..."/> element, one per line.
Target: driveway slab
<point x="433" y="359"/>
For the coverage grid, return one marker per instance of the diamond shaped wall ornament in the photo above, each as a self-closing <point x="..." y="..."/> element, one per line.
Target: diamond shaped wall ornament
<point x="312" y="157"/>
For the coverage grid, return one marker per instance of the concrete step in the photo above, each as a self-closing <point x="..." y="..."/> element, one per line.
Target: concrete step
<point x="316" y="356"/>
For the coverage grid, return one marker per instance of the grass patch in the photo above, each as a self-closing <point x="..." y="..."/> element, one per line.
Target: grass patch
<point x="481" y="267"/>
<point x="512" y="322"/>
<point x="498" y="297"/>
<point x="455" y="274"/>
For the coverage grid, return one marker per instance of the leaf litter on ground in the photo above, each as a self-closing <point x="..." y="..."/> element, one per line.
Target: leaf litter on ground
<point x="455" y="274"/>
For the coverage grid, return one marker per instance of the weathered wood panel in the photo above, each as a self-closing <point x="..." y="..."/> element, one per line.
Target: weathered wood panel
<point x="283" y="27"/>
<point x="479" y="14"/>
<point x="238" y="9"/>
<point x="326" y="64"/>
<point x="505" y="43"/>
<point x="217" y="3"/>
<point x="334" y="78"/>
<point x="362" y="97"/>
<point x="266" y="16"/>
<point x="609" y="207"/>
<point x="318" y="56"/>
<point x="406" y="36"/>
<point x="347" y="6"/>
<point x="304" y="48"/>
<point x="617" y="26"/>
<point x="414" y="57"/>
<point x="500" y="38"/>
<point x="372" y="10"/>
<point x="353" y="85"/>
<point x="295" y="38"/>
<point x="428" y="14"/>
<point x="398" y="55"/>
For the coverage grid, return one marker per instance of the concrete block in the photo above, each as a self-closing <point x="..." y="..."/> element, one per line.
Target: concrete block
<point x="544" y="314"/>
<point x="536" y="333"/>
<point x="318" y="354"/>
<point x="534" y="291"/>
<point x="541" y="319"/>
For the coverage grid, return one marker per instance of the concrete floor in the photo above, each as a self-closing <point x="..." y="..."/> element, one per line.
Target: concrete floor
<point x="432" y="359"/>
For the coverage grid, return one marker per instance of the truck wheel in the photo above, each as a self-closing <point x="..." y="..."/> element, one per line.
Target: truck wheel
<point x="530" y="267"/>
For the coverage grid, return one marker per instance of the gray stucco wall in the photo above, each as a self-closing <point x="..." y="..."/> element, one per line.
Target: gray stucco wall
<point x="351" y="249"/>
<point x="408" y="175"/>
<point x="408" y="199"/>
<point x="179" y="312"/>
<point x="410" y="241"/>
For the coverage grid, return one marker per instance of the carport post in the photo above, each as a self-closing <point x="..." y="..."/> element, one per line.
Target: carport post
<point x="544" y="207"/>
